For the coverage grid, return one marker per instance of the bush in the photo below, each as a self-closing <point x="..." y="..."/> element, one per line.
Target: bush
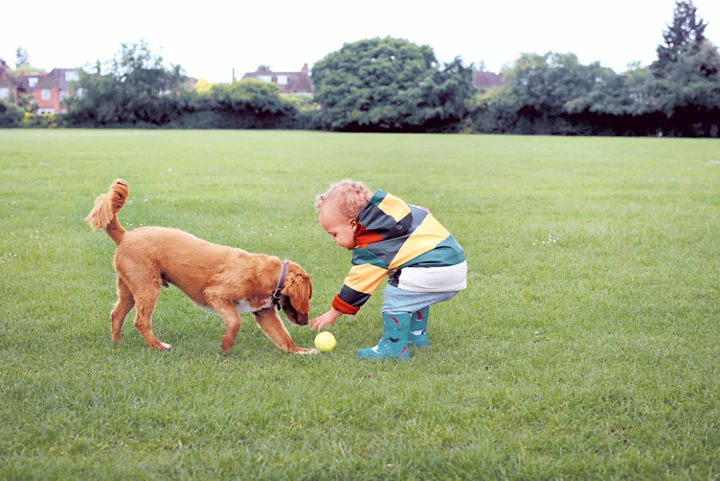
<point x="45" y="121"/>
<point x="10" y="116"/>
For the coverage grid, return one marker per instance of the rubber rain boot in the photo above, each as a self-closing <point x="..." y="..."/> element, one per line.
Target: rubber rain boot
<point x="418" y="324"/>
<point x="393" y="343"/>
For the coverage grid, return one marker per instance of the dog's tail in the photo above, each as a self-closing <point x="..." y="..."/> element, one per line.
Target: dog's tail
<point x="104" y="213"/>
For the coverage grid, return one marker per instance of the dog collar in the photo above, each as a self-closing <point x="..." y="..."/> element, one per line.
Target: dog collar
<point x="281" y="284"/>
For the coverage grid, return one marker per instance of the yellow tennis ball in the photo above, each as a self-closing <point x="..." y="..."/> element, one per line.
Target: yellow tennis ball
<point x="325" y="341"/>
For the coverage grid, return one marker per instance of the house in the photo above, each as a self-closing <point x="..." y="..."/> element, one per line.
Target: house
<point x="486" y="80"/>
<point x="10" y="87"/>
<point x="30" y="79"/>
<point x="297" y="83"/>
<point x="51" y="90"/>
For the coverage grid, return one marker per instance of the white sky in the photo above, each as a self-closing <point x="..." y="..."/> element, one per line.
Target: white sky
<point x="209" y="38"/>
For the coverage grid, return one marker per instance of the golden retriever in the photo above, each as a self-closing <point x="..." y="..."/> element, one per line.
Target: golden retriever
<point x="220" y="278"/>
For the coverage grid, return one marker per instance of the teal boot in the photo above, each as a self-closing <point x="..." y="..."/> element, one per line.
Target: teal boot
<point x="394" y="338"/>
<point x="418" y="324"/>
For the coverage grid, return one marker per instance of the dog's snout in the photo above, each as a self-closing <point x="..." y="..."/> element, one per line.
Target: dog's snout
<point x="302" y="319"/>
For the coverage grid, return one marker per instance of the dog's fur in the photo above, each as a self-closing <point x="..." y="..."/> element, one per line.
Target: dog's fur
<point x="225" y="279"/>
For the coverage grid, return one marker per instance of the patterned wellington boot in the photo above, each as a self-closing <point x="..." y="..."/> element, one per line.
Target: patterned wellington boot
<point x="393" y="343"/>
<point x="418" y="324"/>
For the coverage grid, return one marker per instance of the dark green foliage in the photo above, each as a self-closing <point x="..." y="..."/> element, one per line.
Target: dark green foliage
<point x="442" y="98"/>
<point x="553" y="94"/>
<point x="393" y="85"/>
<point x="10" y="116"/>
<point x="684" y="37"/>
<point x="138" y="91"/>
<point x="390" y="85"/>
<point x="248" y="104"/>
<point x="687" y="76"/>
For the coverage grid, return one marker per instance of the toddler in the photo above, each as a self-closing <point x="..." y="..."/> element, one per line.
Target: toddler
<point x="423" y="262"/>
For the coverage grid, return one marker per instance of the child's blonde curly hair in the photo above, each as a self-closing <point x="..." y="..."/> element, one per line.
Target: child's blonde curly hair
<point x="347" y="195"/>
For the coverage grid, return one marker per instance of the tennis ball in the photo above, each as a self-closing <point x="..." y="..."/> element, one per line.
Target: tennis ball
<point x="325" y="341"/>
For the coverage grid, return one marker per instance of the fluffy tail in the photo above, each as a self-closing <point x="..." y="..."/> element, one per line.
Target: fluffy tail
<point x="104" y="213"/>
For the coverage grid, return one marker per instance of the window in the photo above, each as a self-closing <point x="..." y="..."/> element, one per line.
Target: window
<point x="71" y="76"/>
<point x="32" y="81"/>
<point x="63" y="94"/>
<point x="45" y="94"/>
<point x="265" y="78"/>
<point x="79" y="93"/>
<point x="4" y="92"/>
<point x="282" y="79"/>
<point x="46" y="111"/>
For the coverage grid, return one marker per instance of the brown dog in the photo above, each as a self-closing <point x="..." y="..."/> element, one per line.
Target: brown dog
<point x="215" y="277"/>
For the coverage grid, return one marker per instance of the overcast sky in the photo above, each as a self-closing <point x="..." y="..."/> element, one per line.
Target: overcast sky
<point x="209" y="38"/>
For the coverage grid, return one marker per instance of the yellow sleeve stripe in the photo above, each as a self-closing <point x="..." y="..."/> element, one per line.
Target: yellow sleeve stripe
<point x="365" y="278"/>
<point x="394" y="207"/>
<point x="427" y="235"/>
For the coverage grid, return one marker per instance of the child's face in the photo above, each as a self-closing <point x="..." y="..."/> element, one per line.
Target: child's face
<point x="340" y="228"/>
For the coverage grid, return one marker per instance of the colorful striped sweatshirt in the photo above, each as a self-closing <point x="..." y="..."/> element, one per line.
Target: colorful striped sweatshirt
<point x="392" y="235"/>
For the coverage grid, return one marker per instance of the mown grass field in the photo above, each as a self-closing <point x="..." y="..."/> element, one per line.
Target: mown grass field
<point x="585" y="347"/>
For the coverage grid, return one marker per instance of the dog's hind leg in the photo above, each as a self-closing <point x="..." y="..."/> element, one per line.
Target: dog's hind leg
<point x="125" y="302"/>
<point x="145" y="300"/>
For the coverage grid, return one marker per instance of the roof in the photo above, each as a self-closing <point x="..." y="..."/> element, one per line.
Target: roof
<point x="486" y="80"/>
<point x="297" y="82"/>
<point x="6" y="78"/>
<point x="56" y="79"/>
<point x="26" y="76"/>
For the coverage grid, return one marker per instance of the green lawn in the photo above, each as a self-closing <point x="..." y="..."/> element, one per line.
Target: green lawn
<point x="585" y="347"/>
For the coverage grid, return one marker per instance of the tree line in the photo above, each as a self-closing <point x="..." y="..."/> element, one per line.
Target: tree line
<point x="393" y="85"/>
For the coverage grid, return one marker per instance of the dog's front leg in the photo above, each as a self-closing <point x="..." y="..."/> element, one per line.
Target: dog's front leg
<point x="232" y="324"/>
<point x="274" y="328"/>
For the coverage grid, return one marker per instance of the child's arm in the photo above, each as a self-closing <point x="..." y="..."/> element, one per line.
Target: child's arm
<point x="328" y="318"/>
<point x="360" y="283"/>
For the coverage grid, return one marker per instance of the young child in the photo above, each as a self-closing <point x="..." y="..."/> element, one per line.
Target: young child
<point x="423" y="261"/>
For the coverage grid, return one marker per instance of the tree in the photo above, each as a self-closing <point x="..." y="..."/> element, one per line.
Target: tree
<point x="684" y="36"/>
<point x="137" y="90"/>
<point x="22" y="63"/>
<point x="202" y="86"/>
<point x="615" y="94"/>
<point x="555" y="94"/>
<point x="538" y="90"/>
<point x="687" y="75"/>
<point x="10" y="115"/>
<point x="249" y="96"/>
<point x="441" y="98"/>
<point x="389" y="85"/>
<point x="21" y="57"/>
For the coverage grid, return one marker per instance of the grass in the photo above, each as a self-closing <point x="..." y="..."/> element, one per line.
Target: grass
<point x="585" y="347"/>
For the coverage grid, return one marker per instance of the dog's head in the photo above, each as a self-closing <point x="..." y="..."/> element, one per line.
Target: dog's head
<point x="295" y="296"/>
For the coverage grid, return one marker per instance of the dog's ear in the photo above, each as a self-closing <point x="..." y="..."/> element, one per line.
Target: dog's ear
<point x="298" y="287"/>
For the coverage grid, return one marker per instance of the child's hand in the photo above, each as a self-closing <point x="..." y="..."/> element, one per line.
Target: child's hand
<point x="328" y="318"/>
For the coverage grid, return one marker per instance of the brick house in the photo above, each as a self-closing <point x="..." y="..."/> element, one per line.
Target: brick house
<point x="49" y="89"/>
<point x="297" y="83"/>
<point x="53" y="89"/>
<point x="486" y="80"/>
<point x="10" y="87"/>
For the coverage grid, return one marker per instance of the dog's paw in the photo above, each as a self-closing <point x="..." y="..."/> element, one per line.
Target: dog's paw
<point x="308" y="351"/>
